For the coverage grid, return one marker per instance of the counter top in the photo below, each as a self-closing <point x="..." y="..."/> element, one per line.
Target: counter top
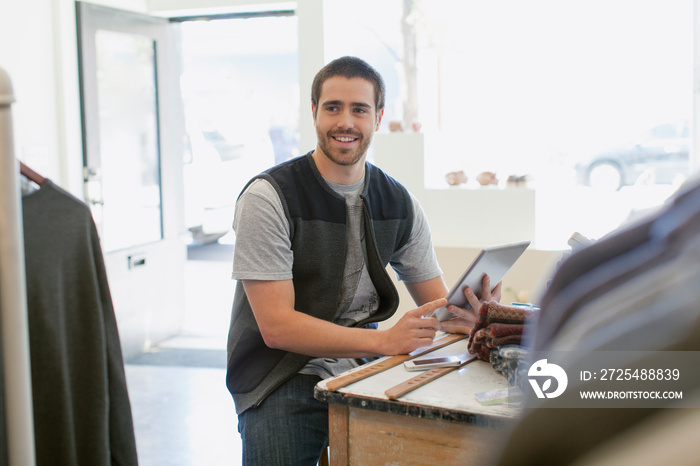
<point x="450" y="397"/>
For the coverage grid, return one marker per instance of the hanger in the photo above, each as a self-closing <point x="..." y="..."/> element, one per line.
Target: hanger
<point x="31" y="174"/>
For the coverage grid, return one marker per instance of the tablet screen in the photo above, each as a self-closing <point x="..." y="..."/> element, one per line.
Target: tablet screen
<point x="494" y="261"/>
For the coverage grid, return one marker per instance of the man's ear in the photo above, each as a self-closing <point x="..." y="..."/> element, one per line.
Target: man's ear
<point x="380" y="114"/>
<point x="313" y="113"/>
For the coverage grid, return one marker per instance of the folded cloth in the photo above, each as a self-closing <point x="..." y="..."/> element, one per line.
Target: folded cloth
<point x="495" y="335"/>
<point x="499" y="330"/>
<point x="497" y="325"/>
<point x="507" y="340"/>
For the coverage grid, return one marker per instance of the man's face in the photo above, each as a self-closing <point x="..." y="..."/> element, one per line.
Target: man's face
<point x="346" y="119"/>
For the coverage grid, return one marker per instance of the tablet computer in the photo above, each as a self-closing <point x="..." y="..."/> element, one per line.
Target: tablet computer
<point x="494" y="261"/>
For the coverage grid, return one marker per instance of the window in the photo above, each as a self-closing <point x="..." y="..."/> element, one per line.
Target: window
<point x="560" y="92"/>
<point x="590" y="100"/>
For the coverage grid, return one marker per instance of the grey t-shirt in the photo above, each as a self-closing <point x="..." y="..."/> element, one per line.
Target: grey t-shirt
<point x="263" y="252"/>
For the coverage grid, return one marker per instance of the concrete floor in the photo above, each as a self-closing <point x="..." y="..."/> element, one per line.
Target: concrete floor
<point x="183" y="414"/>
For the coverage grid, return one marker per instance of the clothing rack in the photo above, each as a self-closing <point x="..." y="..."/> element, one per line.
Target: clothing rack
<point x="13" y="295"/>
<point x="31" y="174"/>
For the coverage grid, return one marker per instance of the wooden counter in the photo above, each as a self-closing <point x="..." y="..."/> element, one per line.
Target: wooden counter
<point x="441" y="422"/>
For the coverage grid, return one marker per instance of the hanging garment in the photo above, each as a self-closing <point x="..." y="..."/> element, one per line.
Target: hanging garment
<point x="633" y="292"/>
<point x="82" y="413"/>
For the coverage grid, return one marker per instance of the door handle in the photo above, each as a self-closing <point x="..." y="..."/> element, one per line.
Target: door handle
<point x="137" y="260"/>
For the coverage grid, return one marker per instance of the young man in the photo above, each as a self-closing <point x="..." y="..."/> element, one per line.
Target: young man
<point x="313" y="238"/>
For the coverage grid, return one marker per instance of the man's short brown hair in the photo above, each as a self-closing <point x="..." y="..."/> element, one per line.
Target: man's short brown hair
<point x="349" y="67"/>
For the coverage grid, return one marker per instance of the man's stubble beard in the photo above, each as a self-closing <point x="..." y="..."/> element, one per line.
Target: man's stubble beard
<point x="338" y="155"/>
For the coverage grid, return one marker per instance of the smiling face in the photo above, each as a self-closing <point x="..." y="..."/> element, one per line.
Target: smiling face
<point x="346" y="119"/>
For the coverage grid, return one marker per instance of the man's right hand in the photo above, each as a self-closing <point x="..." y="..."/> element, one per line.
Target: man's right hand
<point x="413" y="330"/>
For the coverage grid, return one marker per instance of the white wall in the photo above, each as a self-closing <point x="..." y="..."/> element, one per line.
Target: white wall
<point x="30" y="54"/>
<point x="184" y="6"/>
<point x="458" y="217"/>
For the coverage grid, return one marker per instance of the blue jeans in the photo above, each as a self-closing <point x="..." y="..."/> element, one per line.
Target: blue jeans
<point x="289" y="427"/>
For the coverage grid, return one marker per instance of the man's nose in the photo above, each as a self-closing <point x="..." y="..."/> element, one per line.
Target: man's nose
<point x="345" y="119"/>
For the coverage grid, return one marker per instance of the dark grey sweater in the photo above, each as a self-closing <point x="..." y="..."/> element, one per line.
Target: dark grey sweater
<point x="82" y="413"/>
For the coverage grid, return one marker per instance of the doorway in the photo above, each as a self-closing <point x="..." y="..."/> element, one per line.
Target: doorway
<point x="233" y="113"/>
<point x="179" y="114"/>
<point x="240" y="90"/>
<point x="132" y="127"/>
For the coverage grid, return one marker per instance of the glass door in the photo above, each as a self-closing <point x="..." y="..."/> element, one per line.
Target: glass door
<point x="121" y="126"/>
<point x="133" y="140"/>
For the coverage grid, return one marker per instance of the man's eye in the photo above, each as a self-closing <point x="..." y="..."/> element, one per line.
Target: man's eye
<point x="332" y="108"/>
<point x="360" y="110"/>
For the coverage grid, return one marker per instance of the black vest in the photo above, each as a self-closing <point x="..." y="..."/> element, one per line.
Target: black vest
<point x="317" y="221"/>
